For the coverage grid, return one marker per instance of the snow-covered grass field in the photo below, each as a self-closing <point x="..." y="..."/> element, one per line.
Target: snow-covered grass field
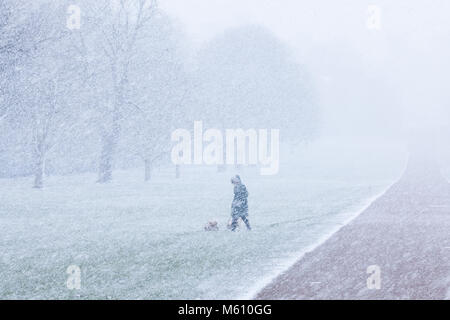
<point x="137" y="240"/>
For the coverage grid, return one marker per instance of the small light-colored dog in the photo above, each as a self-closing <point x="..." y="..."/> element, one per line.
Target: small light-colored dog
<point x="212" y="226"/>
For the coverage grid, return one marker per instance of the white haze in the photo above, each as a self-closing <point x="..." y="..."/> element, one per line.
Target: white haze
<point x="380" y="83"/>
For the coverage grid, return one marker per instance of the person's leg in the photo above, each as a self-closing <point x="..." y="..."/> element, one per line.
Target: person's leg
<point x="234" y="222"/>
<point x="247" y="223"/>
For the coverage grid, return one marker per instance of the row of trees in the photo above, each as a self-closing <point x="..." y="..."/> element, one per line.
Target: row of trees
<point x="109" y="94"/>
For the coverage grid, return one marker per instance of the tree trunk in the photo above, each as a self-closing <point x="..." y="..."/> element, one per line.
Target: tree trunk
<point x="110" y="139"/>
<point x="106" y="159"/>
<point x="177" y="171"/>
<point x="223" y="167"/>
<point x="148" y="170"/>
<point x="109" y="145"/>
<point x="39" y="172"/>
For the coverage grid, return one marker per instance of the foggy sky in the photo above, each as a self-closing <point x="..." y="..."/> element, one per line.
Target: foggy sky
<point x="372" y="82"/>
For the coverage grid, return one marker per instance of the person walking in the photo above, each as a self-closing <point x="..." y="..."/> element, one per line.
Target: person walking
<point x="239" y="206"/>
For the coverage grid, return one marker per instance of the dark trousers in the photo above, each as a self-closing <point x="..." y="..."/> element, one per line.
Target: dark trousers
<point x="235" y="219"/>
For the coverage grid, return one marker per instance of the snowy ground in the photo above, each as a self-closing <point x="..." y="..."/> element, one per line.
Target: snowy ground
<point x="404" y="234"/>
<point x="136" y="240"/>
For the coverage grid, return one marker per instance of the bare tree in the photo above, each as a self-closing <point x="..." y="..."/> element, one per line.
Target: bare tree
<point x="19" y="38"/>
<point x="248" y="78"/>
<point x="120" y="26"/>
<point x="157" y="93"/>
<point x="47" y="89"/>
